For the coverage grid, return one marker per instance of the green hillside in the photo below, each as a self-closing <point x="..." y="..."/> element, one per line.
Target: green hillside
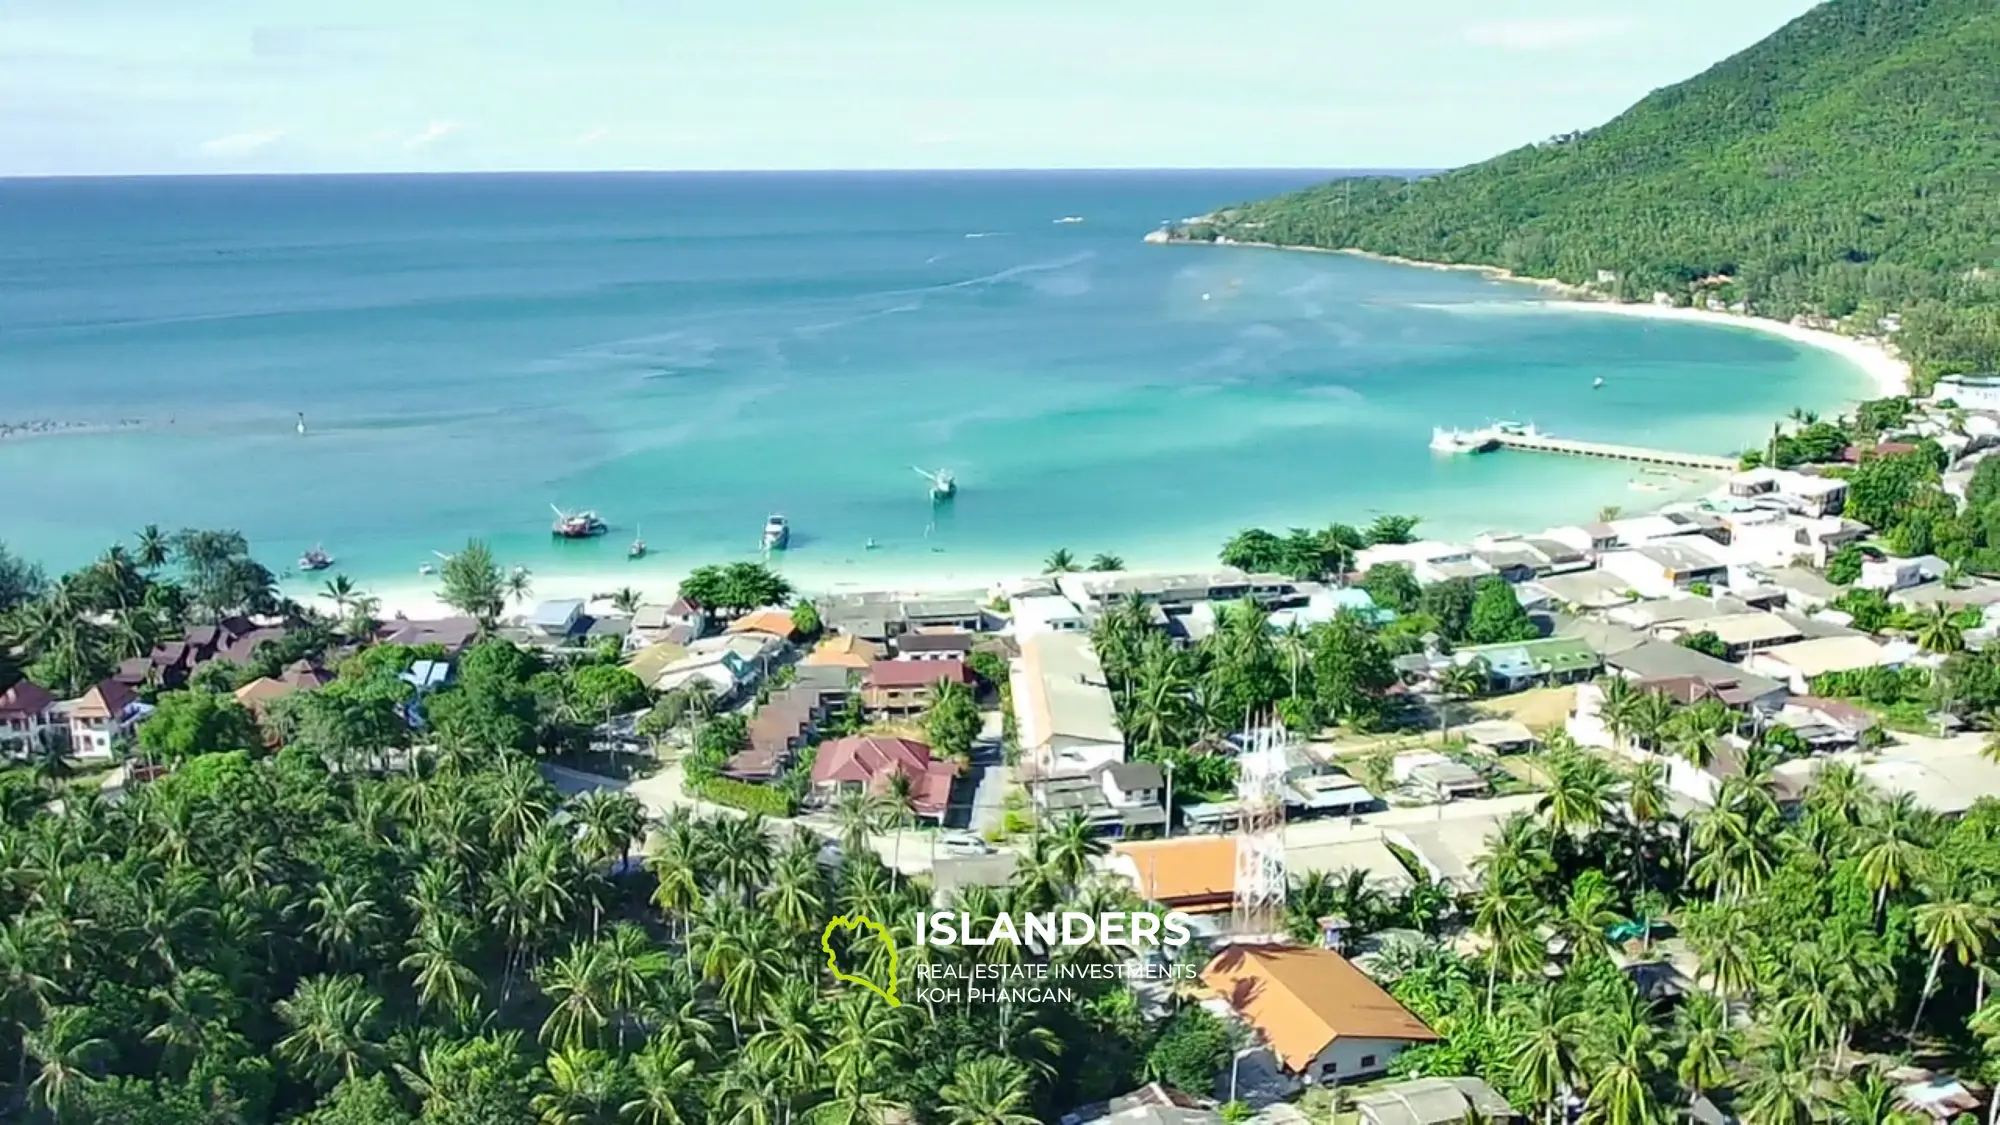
<point x="1848" y="165"/>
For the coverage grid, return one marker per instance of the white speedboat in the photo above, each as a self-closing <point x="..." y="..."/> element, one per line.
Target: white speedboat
<point x="1459" y="441"/>
<point x="777" y="533"/>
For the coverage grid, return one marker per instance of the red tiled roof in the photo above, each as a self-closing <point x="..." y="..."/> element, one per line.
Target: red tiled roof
<point x="916" y="673"/>
<point x="25" y="698"/>
<point x="872" y="760"/>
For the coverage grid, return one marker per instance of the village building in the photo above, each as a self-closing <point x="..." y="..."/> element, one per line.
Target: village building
<point x="1318" y="1017"/>
<point x="1434" y="1101"/>
<point x="867" y="763"/>
<point x="1195" y="874"/>
<point x="907" y="687"/>
<point x="1797" y="664"/>
<point x="928" y="645"/>
<point x="1659" y="569"/>
<point x="100" y="716"/>
<point x="1034" y="615"/>
<point x="770" y="621"/>
<point x="452" y="634"/>
<point x="27" y="712"/>
<point x="1063" y="711"/>
<point x="1119" y="797"/>
<point x="845" y="651"/>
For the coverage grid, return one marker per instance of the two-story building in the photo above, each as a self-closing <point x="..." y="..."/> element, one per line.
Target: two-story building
<point x="105" y="713"/>
<point x="1063" y="712"/>
<point x="907" y="687"/>
<point x="1118" y="797"/>
<point x="27" y="713"/>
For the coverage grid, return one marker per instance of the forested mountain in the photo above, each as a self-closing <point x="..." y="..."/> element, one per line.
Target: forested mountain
<point x="1848" y="165"/>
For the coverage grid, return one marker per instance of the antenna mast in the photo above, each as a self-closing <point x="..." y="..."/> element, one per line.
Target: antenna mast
<point x="1262" y="882"/>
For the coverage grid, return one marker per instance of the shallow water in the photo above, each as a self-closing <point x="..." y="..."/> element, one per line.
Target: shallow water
<point x="687" y="354"/>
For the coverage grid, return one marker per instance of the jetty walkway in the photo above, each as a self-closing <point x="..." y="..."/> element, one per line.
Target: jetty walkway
<point x="1542" y="443"/>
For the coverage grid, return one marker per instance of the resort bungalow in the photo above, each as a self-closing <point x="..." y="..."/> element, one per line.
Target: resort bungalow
<point x="1063" y="711"/>
<point x="101" y="715"/>
<point x="869" y="762"/>
<point x="906" y="687"/>
<point x="1318" y="1018"/>
<point x="26" y="711"/>
<point x="1175" y="593"/>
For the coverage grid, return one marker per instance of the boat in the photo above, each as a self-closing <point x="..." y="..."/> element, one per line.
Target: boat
<point x="1460" y="441"/>
<point x="870" y="545"/>
<point x="426" y="568"/>
<point x="1597" y="382"/>
<point x="944" y="486"/>
<point x="315" y="559"/>
<point x="302" y="424"/>
<point x="777" y="533"/>
<point x="1070" y="219"/>
<point x="638" y="548"/>
<point x="577" y="525"/>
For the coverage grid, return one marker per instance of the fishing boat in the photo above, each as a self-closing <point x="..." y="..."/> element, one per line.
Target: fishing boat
<point x="302" y="423"/>
<point x="1597" y="382"/>
<point x="777" y="533"/>
<point x="315" y="559"/>
<point x="638" y="548"/>
<point x="577" y="525"/>
<point x="944" y="486"/>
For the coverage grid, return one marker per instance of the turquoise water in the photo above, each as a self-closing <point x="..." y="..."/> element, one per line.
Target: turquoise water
<point x="689" y="353"/>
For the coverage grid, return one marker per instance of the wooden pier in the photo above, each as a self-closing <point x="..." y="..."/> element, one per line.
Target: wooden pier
<point x="1542" y="443"/>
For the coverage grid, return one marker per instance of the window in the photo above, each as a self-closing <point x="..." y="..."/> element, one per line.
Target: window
<point x="1328" y="1070"/>
<point x="1367" y="1060"/>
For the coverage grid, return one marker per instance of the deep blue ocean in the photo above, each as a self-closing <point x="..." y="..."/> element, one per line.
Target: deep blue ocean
<point x="688" y="353"/>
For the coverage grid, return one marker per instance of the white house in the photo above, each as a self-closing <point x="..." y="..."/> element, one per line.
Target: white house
<point x="1317" y="1017"/>
<point x="1901" y="574"/>
<point x="1661" y="568"/>
<point x="1063" y="710"/>
<point x="27" y="711"/>
<point x="1037" y="614"/>
<point x="101" y="715"/>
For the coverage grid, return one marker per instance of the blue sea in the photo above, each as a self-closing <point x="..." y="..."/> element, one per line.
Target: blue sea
<point x="689" y="353"/>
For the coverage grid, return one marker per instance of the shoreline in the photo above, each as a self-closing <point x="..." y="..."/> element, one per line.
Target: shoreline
<point x="1876" y="358"/>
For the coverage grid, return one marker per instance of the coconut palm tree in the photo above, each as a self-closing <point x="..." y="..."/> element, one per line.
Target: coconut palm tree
<point x="1060" y="561"/>
<point x="1892" y="848"/>
<point x="987" y="1091"/>
<point x="518" y="586"/>
<point x="1705" y="1041"/>
<point x="627" y="600"/>
<point x="1955" y="925"/>
<point x="332" y="1023"/>
<point x="1073" y="844"/>
<point x="579" y="1086"/>
<point x="1625" y="1055"/>
<point x="1544" y="1059"/>
<point x="67" y="1054"/>
<point x="340" y="591"/>
<point x="1936" y="629"/>
<point x="664" y="1075"/>
<point x="440" y="964"/>
<point x="1103" y="562"/>
<point x="1780" y="1087"/>
<point x="153" y="547"/>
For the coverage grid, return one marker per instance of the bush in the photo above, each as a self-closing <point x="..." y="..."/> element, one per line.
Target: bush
<point x="1191" y="1051"/>
<point x="765" y="799"/>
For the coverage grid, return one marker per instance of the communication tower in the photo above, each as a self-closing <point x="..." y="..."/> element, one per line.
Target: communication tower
<point x="1258" y="911"/>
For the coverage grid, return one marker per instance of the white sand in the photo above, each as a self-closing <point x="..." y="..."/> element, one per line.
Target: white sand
<point x="1890" y="374"/>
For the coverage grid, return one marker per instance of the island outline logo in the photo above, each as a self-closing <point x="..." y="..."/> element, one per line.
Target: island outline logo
<point x="856" y="922"/>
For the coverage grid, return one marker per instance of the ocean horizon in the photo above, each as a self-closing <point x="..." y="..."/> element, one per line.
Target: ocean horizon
<point x="687" y="353"/>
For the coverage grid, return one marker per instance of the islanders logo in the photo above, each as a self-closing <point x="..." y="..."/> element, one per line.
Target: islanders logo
<point x="861" y="924"/>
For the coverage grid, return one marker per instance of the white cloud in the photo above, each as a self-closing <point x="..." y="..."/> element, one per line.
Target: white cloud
<point x="430" y="134"/>
<point x="1547" y="34"/>
<point x="592" y="136"/>
<point x="242" y="144"/>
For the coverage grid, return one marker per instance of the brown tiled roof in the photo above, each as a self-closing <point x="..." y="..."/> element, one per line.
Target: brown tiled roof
<point x="261" y="691"/>
<point x="25" y="698"/>
<point x="306" y="675"/>
<point x="915" y="673"/>
<point x="105" y="700"/>
<point x="781" y="719"/>
<point x="1304" y="998"/>
<point x="873" y="759"/>
<point x="1194" y="871"/>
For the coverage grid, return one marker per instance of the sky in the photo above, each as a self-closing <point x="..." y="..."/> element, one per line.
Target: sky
<point x="93" y="87"/>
